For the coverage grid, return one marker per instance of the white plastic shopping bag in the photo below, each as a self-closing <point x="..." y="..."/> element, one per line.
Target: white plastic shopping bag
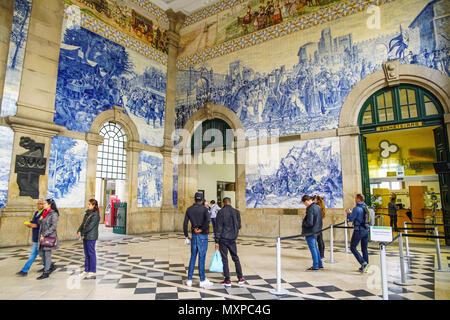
<point x="216" y="263"/>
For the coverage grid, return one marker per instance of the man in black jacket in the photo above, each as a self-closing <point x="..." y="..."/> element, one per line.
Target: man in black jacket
<point x="311" y="225"/>
<point x="198" y="215"/>
<point x="228" y="223"/>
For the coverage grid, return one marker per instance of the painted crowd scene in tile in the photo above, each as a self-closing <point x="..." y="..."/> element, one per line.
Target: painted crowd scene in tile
<point x="67" y="172"/>
<point x="129" y="18"/>
<point x="303" y="167"/>
<point x="149" y="180"/>
<point x="304" y="88"/>
<point x="96" y="74"/>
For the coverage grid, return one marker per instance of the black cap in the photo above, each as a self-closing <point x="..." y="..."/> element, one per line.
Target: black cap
<point x="198" y="196"/>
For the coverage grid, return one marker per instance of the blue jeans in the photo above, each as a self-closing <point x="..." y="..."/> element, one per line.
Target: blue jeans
<point x="90" y="259"/>
<point x="312" y="244"/>
<point x="199" y="244"/>
<point x="363" y="237"/>
<point x="33" y="254"/>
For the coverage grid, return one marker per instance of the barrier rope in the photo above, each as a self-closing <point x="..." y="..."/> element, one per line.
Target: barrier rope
<point x="428" y="224"/>
<point x="311" y="234"/>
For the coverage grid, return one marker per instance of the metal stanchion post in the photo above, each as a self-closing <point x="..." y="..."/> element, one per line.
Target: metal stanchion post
<point x="384" y="281"/>
<point x="438" y="252"/>
<point x="408" y="255"/>
<point x="346" y="237"/>
<point x="331" y="247"/>
<point x="279" y="290"/>
<point x="402" y="263"/>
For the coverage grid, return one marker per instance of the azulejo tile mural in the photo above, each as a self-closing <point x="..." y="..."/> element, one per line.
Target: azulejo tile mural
<point x="6" y="141"/>
<point x="311" y="73"/>
<point x="246" y="23"/>
<point x="150" y="179"/>
<point x="128" y="18"/>
<point x="96" y="74"/>
<point x="78" y="18"/>
<point x="67" y="172"/>
<point x="18" y="39"/>
<point x="302" y="167"/>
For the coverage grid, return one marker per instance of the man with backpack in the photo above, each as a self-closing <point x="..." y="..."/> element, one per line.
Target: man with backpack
<point x="360" y="216"/>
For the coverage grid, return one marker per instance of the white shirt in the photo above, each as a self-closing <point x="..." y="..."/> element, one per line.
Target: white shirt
<point x="214" y="209"/>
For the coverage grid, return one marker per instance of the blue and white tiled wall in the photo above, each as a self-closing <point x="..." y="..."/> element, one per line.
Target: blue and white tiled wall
<point x="150" y="175"/>
<point x="302" y="167"/>
<point x="67" y="172"/>
<point x="6" y="143"/>
<point x="96" y="74"/>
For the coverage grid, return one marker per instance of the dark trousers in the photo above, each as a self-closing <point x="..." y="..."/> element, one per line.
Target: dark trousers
<point x="90" y="260"/>
<point x="357" y="237"/>
<point x="213" y="222"/>
<point x="321" y="245"/>
<point x="394" y="222"/>
<point x="224" y="246"/>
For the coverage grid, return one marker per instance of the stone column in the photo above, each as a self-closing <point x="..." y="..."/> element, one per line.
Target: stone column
<point x="35" y="111"/>
<point x="6" y="18"/>
<point x="93" y="141"/>
<point x="133" y="148"/>
<point x="40" y="68"/>
<point x="350" y="161"/>
<point x="176" y="20"/>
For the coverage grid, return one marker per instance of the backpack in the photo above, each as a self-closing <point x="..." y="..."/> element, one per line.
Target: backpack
<point x="369" y="218"/>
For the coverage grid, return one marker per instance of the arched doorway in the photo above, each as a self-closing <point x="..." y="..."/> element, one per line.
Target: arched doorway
<point x="111" y="164"/>
<point x="402" y="136"/>
<point x="212" y="149"/>
<point x="230" y="147"/>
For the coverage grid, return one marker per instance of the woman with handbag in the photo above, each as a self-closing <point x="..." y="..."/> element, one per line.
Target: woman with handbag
<point x="89" y="231"/>
<point x="48" y="238"/>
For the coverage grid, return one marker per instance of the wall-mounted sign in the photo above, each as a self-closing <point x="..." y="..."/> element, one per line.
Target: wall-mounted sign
<point x="386" y="148"/>
<point x="381" y="234"/>
<point x="400" y="126"/>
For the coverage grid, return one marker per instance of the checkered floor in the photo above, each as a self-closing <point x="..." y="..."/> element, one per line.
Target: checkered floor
<point x="155" y="279"/>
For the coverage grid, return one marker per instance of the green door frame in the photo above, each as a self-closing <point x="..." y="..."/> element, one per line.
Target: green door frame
<point x="400" y="124"/>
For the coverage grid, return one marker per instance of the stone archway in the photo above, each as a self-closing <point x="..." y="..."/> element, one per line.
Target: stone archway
<point x="187" y="178"/>
<point x="393" y="73"/>
<point x="132" y="146"/>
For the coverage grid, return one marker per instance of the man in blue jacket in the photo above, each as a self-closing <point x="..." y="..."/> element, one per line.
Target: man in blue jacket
<point x="360" y="232"/>
<point x="311" y="226"/>
<point x="35" y="238"/>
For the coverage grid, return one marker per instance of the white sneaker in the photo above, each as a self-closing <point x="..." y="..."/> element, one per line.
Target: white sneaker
<point x="84" y="274"/>
<point x="91" y="275"/>
<point x="189" y="283"/>
<point x="206" y="283"/>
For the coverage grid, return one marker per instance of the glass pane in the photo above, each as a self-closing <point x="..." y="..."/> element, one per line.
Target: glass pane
<point x="411" y="96"/>
<point x="380" y="101"/>
<point x="405" y="112"/>
<point x="367" y="117"/>
<point x="430" y="108"/>
<point x="388" y="95"/>
<point x="413" y="110"/>
<point x="390" y="114"/>
<point x="382" y="115"/>
<point x="403" y="99"/>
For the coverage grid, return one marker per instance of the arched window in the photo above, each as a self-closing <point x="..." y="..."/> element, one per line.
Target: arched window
<point x="208" y="133"/>
<point x="401" y="104"/>
<point x="112" y="157"/>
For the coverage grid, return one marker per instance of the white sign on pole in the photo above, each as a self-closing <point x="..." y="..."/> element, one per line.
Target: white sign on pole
<point x="381" y="234"/>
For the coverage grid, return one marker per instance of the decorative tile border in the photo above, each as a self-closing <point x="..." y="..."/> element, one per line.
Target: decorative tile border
<point x="277" y="31"/>
<point x="111" y="33"/>
<point x="153" y="10"/>
<point x="210" y="11"/>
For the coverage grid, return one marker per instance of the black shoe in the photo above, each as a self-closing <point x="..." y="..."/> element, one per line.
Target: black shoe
<point x="21" y="273"/>
<point x="321" y="267"/>
<point x="41" y="270"/>
<point x="52" y="268"/>
<point x="312" y="269"/>
<point x="43" y="276"/>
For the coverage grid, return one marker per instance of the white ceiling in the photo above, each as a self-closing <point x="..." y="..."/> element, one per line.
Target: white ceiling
<point x="185" y="6"/>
